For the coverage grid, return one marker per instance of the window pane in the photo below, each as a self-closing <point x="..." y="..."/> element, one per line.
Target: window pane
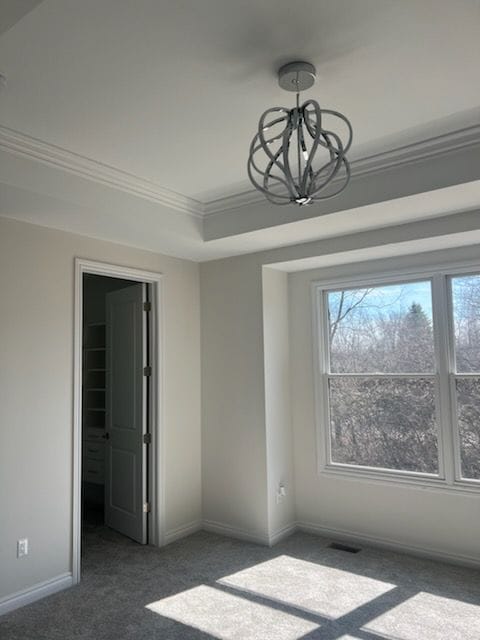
<point x="386" y="329"/>
<point x="468" y="406"/>
<point x="466" y="315"/>
<point x="388" y="423"/>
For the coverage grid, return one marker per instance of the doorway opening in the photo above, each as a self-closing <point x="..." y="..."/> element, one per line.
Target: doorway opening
<point x="116" y="418"/>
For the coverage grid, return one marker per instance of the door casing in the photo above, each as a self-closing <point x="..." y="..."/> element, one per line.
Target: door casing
<point x="156" y="461"/>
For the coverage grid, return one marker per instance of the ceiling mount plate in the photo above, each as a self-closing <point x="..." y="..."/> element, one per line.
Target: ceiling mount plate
<point x="297" y="76"/>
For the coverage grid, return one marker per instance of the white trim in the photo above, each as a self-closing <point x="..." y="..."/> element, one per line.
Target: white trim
<point x="157" y="466"/>
<point x="345" y="535"/>
<point x="469" y="482"/>
<point x="453" y="377"/>
<point x="52" y="155"/>
<point x="235" y="532"/>
<point x="399" y="376"/>
<point x="157" y="460"/>
<point x="390" y="544"/>
<point x="441" y="327"/>
<point x="37" y="592"/>
<point x="415" y="151"/>
<point x="387" y="477"/>
<point x="32" y="148"/>
<point x="448" y="478"/>
<point x="282" y="533"/>
<point x="182" y="531"/>
<point x="397" y="275"/>
<point x="407" y="154"/>
<point x="246" y="197"/>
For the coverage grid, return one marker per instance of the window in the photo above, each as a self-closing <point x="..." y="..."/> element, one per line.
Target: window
<point x="399" y="384"/>
<point x="466" y="318"/>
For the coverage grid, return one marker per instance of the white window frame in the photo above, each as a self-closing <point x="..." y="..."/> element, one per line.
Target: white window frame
<point x="449" y="460"/>
<point x="453" y="377"/>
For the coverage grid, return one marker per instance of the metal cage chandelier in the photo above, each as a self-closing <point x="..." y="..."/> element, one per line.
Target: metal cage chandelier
<point x="295" y="157"/>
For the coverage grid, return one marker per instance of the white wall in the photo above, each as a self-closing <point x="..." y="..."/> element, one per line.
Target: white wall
<point x="36" y="383"/>
<point x="245" y="438"/>
<point x="278" y="412"/>
<point x="246" y="427"/>
<point x="436" y="520"/>
<point x="241" y="433"/>
<point x="233" y="400"/>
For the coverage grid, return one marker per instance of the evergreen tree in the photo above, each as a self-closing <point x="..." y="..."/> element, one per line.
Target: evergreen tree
<point x="415" y="344"/>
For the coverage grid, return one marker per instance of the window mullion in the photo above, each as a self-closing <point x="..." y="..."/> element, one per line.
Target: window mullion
<point x="444" y="365"/>
<point x="322" y="367"/>
<point x="326" y="369"/>
<point x="400" y="376"/>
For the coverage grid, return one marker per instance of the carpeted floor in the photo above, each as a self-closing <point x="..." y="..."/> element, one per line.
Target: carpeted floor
<point x="208" y="586"/>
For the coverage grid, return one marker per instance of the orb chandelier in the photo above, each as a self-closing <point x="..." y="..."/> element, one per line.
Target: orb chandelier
<point x="296" y="157"/>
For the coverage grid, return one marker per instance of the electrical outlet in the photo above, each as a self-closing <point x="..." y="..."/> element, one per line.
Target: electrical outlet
<point x="281" y="492"/>
<point x="22" y="547"/>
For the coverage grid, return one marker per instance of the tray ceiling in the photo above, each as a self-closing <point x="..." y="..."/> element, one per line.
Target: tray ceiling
<point x="131" y="120"/>
<point x="171" y="92"/>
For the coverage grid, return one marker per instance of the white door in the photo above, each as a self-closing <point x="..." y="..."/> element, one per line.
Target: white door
<point x="125" y="453"/>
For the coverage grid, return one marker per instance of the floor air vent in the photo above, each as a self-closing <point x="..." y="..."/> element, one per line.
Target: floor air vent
<point x="338" y="546"/>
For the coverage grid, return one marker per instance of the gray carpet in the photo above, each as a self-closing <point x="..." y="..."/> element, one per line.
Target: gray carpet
<point x="208" y="586"/>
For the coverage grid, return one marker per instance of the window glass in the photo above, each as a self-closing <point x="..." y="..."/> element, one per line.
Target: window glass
<point x="385" y="385"/>
<point x="384" y="422"/>
<point x="382" y="413"/>
<point x="466" y="320"/>
<point x="466" y="326"/>
<point x="383" y="329"/>
<point x="468" y="408"/>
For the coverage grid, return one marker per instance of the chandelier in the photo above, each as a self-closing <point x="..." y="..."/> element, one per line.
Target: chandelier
<point x="295" y="157"/>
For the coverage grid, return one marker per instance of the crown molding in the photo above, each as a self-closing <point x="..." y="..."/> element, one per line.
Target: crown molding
<point x="407" y="154"/>
<point x="52" y="155"/>
<point x="34" y="149"/>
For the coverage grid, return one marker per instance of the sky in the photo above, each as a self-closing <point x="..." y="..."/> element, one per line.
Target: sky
<point x="395" y="298"/>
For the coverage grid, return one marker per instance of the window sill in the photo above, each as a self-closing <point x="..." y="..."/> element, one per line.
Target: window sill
<point x="400" y="479"/>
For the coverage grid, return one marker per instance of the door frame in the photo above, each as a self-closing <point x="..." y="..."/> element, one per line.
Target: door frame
<point x="156" y="459"/>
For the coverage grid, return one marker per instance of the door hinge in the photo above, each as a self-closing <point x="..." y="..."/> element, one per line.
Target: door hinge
<point x="147" y="371"/>
<point x="146" y="507"/>
<point x="147" y="438"/>
<point x="147" y="306"/>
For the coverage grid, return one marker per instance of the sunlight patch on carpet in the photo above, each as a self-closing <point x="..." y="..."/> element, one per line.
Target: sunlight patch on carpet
<point x="228" y="617"/>
<point x="315" y="588"/>
<point x="427" y="615"/>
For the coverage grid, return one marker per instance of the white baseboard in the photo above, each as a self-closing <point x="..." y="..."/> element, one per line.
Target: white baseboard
<point x="390" y="544"/>
<point x="183" y="531"/>
<point x="283" y="533"/>
<point x="234" y="532"/>
<point x="343" y="535"/>
<point x="38" y="591"/>
<point x="64" y="581"/>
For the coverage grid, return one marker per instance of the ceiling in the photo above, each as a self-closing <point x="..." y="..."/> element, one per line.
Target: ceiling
<point x="161" y="98"/>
